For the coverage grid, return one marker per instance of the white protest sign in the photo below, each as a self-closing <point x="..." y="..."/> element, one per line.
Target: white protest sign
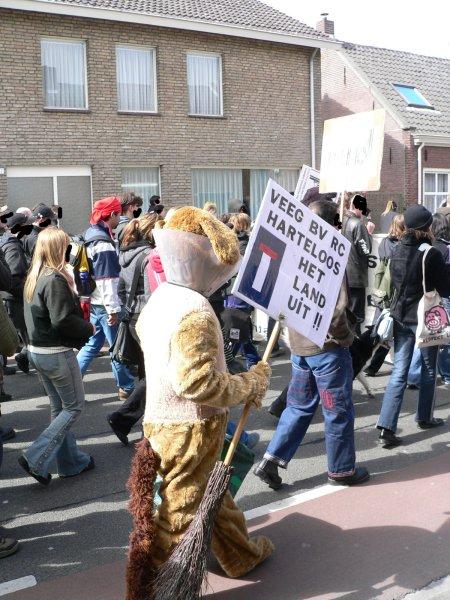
<point x="352" y="151"/>
<point x="293" y="265"/>
<point x="308" y="179"/>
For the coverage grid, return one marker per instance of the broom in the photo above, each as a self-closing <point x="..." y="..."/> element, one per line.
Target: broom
<point x="181" y="576"/>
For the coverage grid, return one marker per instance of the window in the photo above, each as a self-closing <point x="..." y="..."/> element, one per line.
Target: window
<point x="143" y="181"/>
<point x="204" y="72"/>
<point x="412" y="96"/>
<point x="435" y="189"/>
<point x="136" y="79"/>
<point x="287" y="178"/>
<point x="64" y="74"/>
<point x="216" y="185"/>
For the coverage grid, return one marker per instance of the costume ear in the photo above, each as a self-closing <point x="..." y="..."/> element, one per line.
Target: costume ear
<point x="223" y="240"/>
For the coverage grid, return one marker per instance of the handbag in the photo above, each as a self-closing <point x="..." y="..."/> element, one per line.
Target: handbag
<point x="126" y="348"/>
<point x="433" y="323"/>
<point x="9" y="338"/>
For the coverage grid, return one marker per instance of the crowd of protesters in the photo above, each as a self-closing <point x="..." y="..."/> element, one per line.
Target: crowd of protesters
<point x="42" y="287"/>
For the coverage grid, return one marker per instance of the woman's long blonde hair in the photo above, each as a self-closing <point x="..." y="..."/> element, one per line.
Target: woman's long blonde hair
<point x="49" y="255"/>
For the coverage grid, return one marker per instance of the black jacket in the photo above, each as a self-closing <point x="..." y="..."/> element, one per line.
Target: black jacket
<point x="54" y="317"/>
<point x="15" y="257"/>
<point x="5" y="274"/>
<point x="356" y="232"/>
<point x="29" y="242"/>
<point x="443" y="247"/>
<point x="406" y="278"/>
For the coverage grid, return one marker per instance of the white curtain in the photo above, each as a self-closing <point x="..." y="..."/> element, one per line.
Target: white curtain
<point x="287" y="178"/>
<point x="142" y="181"/>
<point x="436" y="190"/>
<point x="204" y="82"/>
<point x="64" y="71"/>
<point x="258" y="183"/>
<point x="135" y="79"/>
<point x="216" y="185"/>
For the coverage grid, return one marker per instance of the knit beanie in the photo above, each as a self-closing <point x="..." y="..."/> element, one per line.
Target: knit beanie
<point x="418" y="217"/>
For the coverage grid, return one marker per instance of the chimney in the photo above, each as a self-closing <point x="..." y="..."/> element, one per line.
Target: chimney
<point x="325" y="26"/>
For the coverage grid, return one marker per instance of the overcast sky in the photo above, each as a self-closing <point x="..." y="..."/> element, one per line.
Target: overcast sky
<point x="410" y="25"/>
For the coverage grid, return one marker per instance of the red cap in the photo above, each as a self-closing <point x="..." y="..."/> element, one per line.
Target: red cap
<point x="104" y="208"/>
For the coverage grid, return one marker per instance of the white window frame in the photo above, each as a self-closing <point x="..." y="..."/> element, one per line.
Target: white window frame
<point x="211" y="54"/>
<point x="141" y="166"/>
<point x="435" y="172"/>
<point x="155" y="81"/>
<point x="86" y="94"/>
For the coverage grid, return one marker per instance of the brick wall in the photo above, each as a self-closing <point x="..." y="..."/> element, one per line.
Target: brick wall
<point x="265" y="92"/>
<point x="344" y="93"/>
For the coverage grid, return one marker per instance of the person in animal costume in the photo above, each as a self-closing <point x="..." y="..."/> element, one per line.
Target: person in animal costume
<point x="188" y="393"/>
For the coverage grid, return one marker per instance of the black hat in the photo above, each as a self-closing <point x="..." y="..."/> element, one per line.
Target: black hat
<point x="43" y="211"/>
<point x="418" y="217"/>
<point x="17" y="219"/>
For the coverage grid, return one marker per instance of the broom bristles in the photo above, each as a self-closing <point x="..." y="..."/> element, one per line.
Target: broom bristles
<point x="181" y="576"/>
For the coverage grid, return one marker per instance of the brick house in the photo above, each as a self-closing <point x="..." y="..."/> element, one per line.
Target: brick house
<point x="194" y="101"/>
<point x="414" y="90"/>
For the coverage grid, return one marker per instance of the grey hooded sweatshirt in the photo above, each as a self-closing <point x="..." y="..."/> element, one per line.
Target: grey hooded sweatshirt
<point x="128" y="260"/>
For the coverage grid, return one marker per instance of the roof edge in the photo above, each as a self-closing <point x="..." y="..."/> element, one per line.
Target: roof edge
<point x="378" y="95"/>
<point x="43" y="6"/>
<point x="432" y="139"/>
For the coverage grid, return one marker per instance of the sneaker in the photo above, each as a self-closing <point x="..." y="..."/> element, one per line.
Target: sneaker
<point x="434" y="422"/>
<point x="267" y="471"/>
<point x="88" y="467"/>
<point x="252" y="440"/>
<point x="25" y="466"/>
<point x="22" y="362"/>
<point x="123" y="437"/>
<point x="388" y="439"/>
<point x="8" y="546"/>
<point x="360" y="475"/>
<point x="7" y="434"/>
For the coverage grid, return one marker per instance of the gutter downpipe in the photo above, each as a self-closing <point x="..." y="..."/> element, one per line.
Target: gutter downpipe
<point x="419" y="172"/>
<point x="312" y="108"/>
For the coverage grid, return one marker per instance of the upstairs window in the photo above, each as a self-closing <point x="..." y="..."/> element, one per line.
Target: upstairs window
<point x="204" y="73"/>
<point x="136" y="79"/>
<point x="412" y="96"/>
<point x="64" y="74"/>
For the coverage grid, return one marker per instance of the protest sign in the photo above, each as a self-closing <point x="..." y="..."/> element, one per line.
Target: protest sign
<point x="293" y="265"/>
<point x="352" y="151"/>
<point x="308" y="179"/>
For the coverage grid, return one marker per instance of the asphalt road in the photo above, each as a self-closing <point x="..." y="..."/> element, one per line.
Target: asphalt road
<point x="79" y="523"/>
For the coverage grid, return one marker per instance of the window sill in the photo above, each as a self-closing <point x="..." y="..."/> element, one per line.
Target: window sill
<point x="139" y="113"/>
<point x="67" y="110"/>
<point x="220" y="117"/>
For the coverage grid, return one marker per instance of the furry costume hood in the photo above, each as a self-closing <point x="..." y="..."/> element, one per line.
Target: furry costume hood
<point x="197" y="251"/>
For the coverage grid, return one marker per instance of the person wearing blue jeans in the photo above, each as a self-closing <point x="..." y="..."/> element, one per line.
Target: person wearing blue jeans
<point x="411" y="256"/>
<point x="61" y="378"/>
<point x="104" y="331"/>
<point x="444" y="352"/>
<point x="404" y="341"/>
<point x="105" y="302"/>
<point x="319" y="375"/>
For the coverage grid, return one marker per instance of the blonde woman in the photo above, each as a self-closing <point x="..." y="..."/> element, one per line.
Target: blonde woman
<point x="388" y="216"/>
<point x="55" y="326"/>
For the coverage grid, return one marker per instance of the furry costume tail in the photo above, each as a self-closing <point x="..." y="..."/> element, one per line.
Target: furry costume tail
<point x="140" y="572"/>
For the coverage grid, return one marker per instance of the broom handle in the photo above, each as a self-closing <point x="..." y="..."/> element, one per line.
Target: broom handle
<point x="243" y="420"/>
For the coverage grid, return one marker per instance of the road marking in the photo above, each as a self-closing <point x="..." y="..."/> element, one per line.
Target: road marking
<point x="323" y="490"/>
<point x="15" y="585"/>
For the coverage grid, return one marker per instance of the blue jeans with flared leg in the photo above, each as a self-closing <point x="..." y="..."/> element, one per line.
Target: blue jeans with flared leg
<point x="325" y="378"/>
<point x="61" y="378"/>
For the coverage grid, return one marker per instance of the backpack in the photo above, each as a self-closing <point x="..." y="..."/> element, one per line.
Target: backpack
<point x="81" y="263"/>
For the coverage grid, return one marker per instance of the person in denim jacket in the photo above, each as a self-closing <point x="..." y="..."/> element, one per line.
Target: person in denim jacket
<point x="319" y="375"/>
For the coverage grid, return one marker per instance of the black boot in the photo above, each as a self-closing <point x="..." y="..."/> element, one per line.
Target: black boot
<point x="388" y="439"/>
<point x="267" y="471"/>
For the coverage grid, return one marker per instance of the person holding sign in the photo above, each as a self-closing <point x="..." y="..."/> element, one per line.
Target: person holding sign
<point x="319" y="374"/>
